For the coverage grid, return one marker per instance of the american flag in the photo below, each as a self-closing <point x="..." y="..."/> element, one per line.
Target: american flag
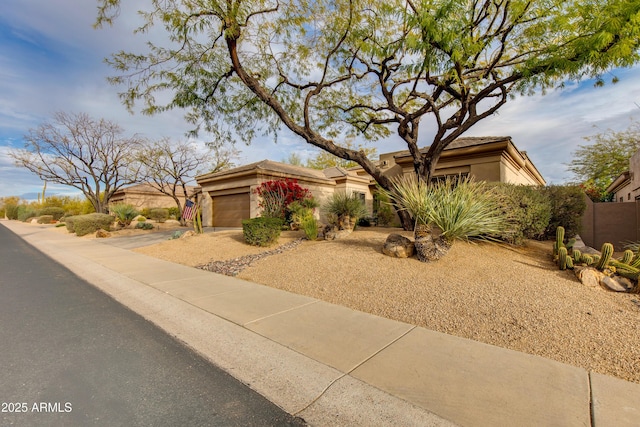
<point x="189" y="210"/>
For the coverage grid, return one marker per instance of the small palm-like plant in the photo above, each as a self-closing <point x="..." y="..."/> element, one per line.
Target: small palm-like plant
<point x="124" y="213"/>
<point x="345" y="208"/>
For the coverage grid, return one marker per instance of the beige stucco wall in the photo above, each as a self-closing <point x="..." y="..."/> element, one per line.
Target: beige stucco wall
<point x="146" y="200"/>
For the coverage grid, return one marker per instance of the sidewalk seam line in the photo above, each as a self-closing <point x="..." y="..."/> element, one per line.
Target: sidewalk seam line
<point x="348" y="373"/>
<point x="280" y="312"/>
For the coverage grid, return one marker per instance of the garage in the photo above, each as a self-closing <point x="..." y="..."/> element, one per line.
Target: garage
<point x="229" y="210"/>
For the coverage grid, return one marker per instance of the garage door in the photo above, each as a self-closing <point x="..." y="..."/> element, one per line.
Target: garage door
<point x="230" y="210"/>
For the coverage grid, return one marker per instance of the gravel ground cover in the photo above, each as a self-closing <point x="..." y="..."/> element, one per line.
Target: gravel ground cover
<point x="511" y="297"/>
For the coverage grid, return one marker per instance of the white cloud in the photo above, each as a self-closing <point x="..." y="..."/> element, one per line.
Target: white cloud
<point x="56" y="63"/>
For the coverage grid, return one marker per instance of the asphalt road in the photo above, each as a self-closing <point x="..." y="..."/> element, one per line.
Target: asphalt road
<point x="70" y="355"/>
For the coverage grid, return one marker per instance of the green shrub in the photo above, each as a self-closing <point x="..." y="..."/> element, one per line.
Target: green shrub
<point x="383" y="208"/>
<point x="462" y="209"/>
<point x="69" y="222"/>
<point x="45" y="219"/>
<point x="342" y="206"/>
<point x="124" y="213"/>
<point x="140" y="218"/>
<point x="174" y="212"/>
<point x="528" y="208"/>
<point x="11" y="211"/>
<point x="146" y="212"/>
<point x="25" y="213"/>
<point x="567" y="207"/>
<point x="261" y="231"/>
<point x="310" y="227"/>
<point x="176" y="235"/>
<point x="90" y="223"/>
<point x="54" y="211"/>
<point x="144" y="226"/>
<point x="159" y="214"/>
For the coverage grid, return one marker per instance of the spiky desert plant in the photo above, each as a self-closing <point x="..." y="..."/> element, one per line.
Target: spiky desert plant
<point x="342" y="205"/>
<point x="586" y="259"/>
<point x="462" y="209"/>
<point x="562" y="258"/>
<point x="577" y="255"/>
<point x="605" y="256"/>
<point x="559" y="240"/>
<point x="124" y="213"/>
<point x="627" y="256"/>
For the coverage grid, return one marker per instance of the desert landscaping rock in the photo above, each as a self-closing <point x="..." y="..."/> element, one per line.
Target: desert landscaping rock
<point x="102" y="234"/>
<point x="589" y="276"/>
<point x="234" y="266"/>
<point x="617" y="284"/>
<point x="398" y="246"/>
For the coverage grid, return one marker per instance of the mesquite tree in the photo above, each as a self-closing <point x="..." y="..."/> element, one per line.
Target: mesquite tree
<point x="329" y="70"/>
<point x="88" y="154"/>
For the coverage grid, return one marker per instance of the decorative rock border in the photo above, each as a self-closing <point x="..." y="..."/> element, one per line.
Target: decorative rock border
<point x="235" y="266"/>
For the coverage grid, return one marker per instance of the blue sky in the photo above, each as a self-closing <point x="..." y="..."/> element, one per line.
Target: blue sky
<point x="51" y="59"/>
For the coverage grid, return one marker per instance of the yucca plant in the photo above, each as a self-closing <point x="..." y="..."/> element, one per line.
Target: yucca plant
<point x="344" y="208"/>
<point x="124" y="213"/>
<point x="462" y="209"/>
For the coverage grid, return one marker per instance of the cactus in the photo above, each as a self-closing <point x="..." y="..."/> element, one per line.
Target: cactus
<point x="587" y="259"/>
<point x="569" y="263"/>
<point x="570" y="243"/>
<point x="635" y="263"/>
<point x="577" y="255"/>
<point x="606" y="253"/>
<point x="627" y="256"/>
<point x="596" y="260"/>
<point x="633" y="275"/>
<point x="559" y="240"/>
<point x="562" y="258"/>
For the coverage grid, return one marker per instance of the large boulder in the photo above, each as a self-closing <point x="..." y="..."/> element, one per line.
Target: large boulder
<point x="398" y="246"/>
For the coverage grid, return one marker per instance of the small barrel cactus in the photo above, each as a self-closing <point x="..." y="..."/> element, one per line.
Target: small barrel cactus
<point x="605" y="256"/>
<point x="627" y="256"/>
<point x="587" y="259"/>
<point x="577" y="255"/>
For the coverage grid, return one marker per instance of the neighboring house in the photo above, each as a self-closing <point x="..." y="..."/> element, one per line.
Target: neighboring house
<point x="145" y="195"/>
<point x="228" y="197"/>
<point x="626" y="187"/>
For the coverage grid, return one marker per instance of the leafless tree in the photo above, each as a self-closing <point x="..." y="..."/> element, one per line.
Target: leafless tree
<point x="81" y="152"/>
<point x="169" y="167"/>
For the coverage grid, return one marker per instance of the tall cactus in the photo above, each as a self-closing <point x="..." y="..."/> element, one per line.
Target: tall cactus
<point x="605" y="256"/>
<point x="559" y="240"/>
<point x="562" y="258"/>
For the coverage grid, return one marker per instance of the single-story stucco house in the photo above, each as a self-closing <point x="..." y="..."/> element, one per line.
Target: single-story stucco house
<point x="228" y="196"/>
<point x="146" y="195"/>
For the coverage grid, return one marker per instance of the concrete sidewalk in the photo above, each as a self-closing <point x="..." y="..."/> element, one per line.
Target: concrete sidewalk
<point x="335" y="366"/>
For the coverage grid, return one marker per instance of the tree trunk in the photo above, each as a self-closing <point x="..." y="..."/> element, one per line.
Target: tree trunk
<point x="429" y="243"/>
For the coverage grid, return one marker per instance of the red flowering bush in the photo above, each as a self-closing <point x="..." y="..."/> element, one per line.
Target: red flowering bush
<point x="277" y="195"/>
